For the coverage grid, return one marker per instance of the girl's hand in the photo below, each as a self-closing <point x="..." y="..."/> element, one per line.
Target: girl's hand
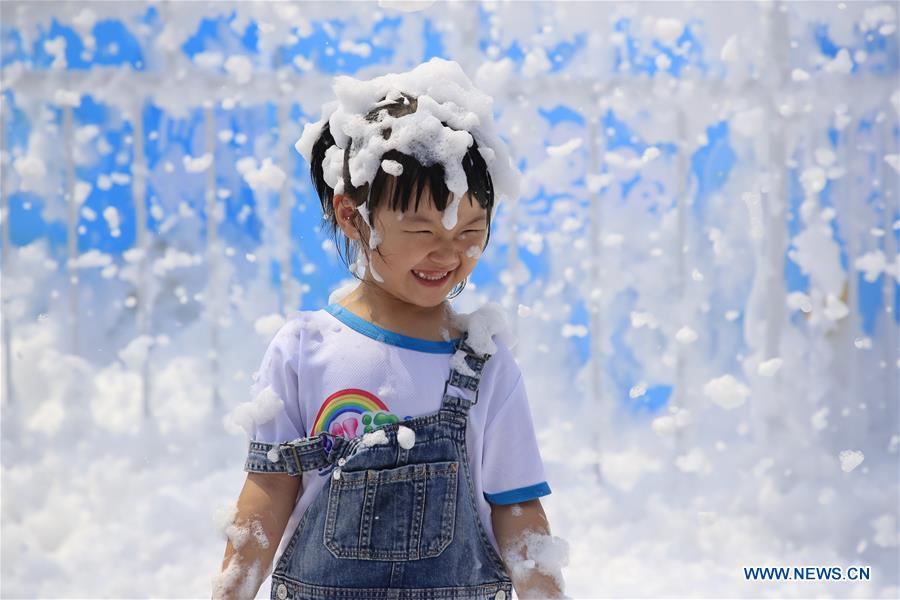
<point x="263" y="509"/>
<point x="531" y="555"/>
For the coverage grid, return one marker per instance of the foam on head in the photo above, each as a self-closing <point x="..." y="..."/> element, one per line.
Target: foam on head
<point x="444" y="95"/>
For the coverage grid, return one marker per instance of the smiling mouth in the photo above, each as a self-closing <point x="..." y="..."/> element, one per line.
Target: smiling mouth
<point x="431" y="277"/>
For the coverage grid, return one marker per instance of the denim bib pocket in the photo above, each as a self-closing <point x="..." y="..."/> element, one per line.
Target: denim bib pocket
<point x="397" y="514"/>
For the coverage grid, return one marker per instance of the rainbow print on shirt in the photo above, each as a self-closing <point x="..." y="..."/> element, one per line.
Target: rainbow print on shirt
<point x="351" y="412"/>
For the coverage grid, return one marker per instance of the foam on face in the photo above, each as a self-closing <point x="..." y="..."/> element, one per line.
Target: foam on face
<point x="444" y="94"/>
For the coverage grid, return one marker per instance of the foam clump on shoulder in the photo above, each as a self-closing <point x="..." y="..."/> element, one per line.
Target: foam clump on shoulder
<point x="296" y="322"/>
<point x="248" y="415"/>
<point x="283" y="329"/>
<point x="481" y="325"/>
<point x="342" y="291"/>
<point x="444" y="94"/>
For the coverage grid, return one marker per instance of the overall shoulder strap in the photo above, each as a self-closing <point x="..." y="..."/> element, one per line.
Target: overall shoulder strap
<point x="466" y="367"/>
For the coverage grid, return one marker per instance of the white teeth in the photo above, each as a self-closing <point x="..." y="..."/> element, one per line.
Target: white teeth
<point x="431" y="277"/>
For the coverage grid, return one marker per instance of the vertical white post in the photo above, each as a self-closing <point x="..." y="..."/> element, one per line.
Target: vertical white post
<point x="683" y="175"/>
<point x="71" y="230"/>
<point x="212" y="255"/>
<point x="139" y="197"/>
<point x="850" y="224"/>
<point x="513" y="261"/>
<point x="286" y="298"/>
<point x="775" y="198"/>
<point x="888" y="186"/>
<point x="5" y="262"/>
<point x="601" y="427"/>
<point x="766" y="307"/>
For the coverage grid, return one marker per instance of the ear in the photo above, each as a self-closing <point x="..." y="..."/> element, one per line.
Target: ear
<point x="345" y="215"/>
<point x="341" y="203"/>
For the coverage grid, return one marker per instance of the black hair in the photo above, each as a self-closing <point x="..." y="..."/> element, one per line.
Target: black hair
<point x="397" y="190"/>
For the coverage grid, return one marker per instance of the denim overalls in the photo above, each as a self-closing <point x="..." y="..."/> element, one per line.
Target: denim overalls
<point x="391" y="522"/>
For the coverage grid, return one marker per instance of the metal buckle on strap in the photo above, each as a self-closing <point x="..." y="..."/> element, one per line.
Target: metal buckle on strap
<point x="297" y="463"/>
<point x="305" y="444"/>
<point x="473" y="403"/>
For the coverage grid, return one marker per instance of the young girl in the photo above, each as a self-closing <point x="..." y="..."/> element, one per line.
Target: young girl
<point x="393" y="453"/>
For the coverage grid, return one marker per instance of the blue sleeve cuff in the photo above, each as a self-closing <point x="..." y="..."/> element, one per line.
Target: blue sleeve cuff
<point x="522" y="494"/>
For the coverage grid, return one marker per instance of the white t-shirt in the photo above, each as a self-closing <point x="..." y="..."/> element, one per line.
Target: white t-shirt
<point x="337" y="372"/>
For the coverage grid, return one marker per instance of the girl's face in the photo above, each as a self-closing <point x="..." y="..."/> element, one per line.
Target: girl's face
<point x="415" y="244"/>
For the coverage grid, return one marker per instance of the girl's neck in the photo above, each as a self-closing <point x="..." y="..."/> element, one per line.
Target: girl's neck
<point x="389" y="312"/>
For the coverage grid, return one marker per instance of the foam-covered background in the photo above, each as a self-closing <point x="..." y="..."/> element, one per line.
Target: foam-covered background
<point x="701" y="272"/>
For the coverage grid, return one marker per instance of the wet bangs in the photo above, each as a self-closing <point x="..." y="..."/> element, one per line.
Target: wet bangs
<point x="405" y="191"/>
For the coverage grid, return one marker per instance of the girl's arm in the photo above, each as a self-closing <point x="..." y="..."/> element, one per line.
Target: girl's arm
<point x="263" y="510"/>
<point x="521" y="531"/>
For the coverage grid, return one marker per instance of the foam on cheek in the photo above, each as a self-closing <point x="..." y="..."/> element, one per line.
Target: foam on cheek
<point x="359" y="265"/>
<point x="374" y="240"/>
<point x="375" y="274"/>
<point x="373" y="234"/>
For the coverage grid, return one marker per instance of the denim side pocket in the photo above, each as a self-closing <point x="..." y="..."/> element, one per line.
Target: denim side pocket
<point x="403" y="513"/>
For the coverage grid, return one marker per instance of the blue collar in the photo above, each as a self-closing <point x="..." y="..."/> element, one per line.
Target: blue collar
<point x="357" y="323"/>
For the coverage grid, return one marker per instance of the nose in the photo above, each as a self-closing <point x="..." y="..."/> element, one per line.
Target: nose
<point x="445" y="255"/>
